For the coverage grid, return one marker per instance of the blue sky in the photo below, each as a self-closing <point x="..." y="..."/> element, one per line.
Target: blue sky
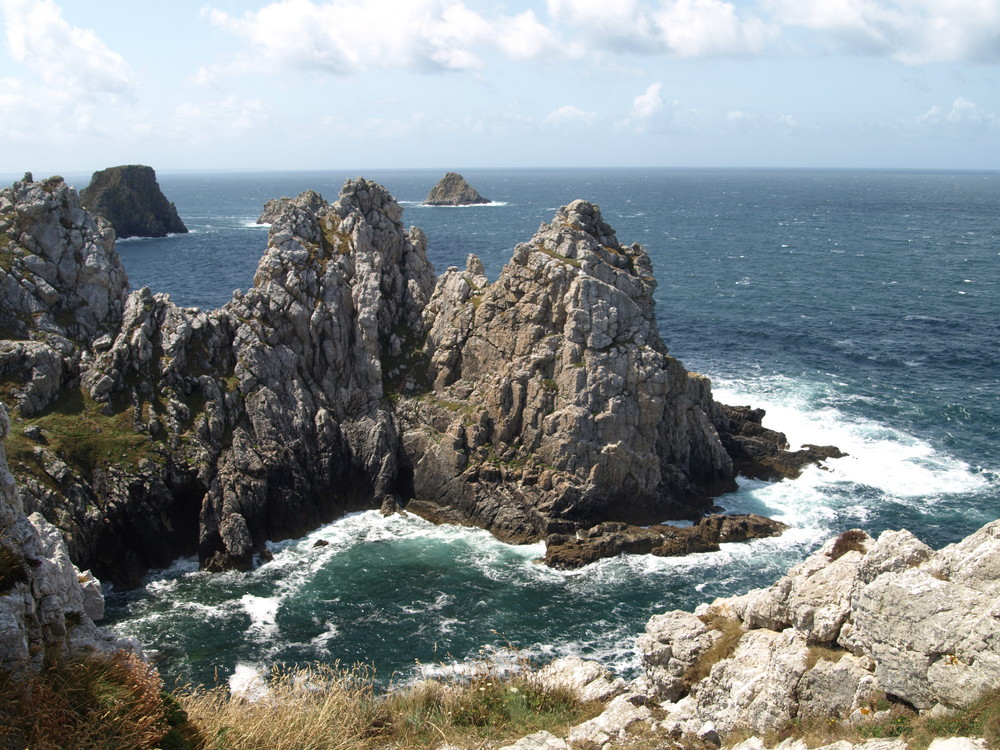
<point x="336" y="84"/>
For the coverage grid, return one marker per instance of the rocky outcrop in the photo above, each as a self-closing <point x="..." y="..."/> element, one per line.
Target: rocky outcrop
<point x="453" y="190"/>
<point x="345" y="378"/>
<point x="610" y="538"/>
<point x="554" y="403"/>
<point x="309" y="200"/>
<point x="853" y="629"/>
<point x="47" y="607"/>
<point x="129" y="197"/>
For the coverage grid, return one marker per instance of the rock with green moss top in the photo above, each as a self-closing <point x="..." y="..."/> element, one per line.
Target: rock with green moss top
<point x="129" y="197"/>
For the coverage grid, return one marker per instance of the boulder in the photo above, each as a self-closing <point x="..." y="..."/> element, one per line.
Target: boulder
<point x="129" y="197"/>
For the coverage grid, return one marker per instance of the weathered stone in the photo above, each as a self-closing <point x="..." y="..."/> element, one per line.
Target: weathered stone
<point x="130" y="199"/>
<point x="588" y="680"/>
<point x="453" y="190"/>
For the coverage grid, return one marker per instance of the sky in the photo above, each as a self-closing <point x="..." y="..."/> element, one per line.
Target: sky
<point x="447" y="84"/>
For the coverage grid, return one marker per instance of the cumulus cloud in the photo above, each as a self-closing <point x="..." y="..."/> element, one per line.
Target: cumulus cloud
<point x="963" y="115"/>
<point x="568" y="116"/>
<point x="63" y="56"/>
<point x="649" y="111"/>
<point x="343" y="37"/>
<point x="681" y="28"/>
<point x="912" y="32"/>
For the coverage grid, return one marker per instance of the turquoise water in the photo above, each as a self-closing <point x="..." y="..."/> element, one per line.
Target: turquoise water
<point x="859" y="308"/>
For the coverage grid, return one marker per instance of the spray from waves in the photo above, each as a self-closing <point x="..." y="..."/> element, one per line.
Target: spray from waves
<point x="886" y="471"/>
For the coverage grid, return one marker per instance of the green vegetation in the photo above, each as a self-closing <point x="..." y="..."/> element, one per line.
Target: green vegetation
<point x="561" y="258"/>
<point x="79" y="433"/>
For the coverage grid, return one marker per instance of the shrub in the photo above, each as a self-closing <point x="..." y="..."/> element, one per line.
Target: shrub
<point x="850" y="541"/>
<point x="12" y="569"/>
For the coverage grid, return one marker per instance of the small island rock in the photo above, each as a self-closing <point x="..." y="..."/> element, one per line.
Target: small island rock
<point x="453" y="190"/>
<point x="130" y="198"/>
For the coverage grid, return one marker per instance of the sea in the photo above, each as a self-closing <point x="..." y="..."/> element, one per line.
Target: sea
<point x="859" y="308"/>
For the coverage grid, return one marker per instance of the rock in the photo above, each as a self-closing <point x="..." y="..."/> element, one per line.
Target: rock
<point x="543" y="403"/>
<point x="613" y="723"/>
<point x="588" y="680"/>
<point x="545" y="741"/>
<point x="957" y="743"/>
<point x="45" y="613"/>
<point x="670" y="648"/>
<point x="858" y="620"/>
<point x="129" y="197"/>
<point x="308" y="200"/>
<point x="760" y="453"/>
<point x="453" y="190"/>
<point x="611" y="538"/>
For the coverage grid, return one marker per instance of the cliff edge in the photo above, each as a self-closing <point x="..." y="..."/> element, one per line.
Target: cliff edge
<point x="129" y="197"/>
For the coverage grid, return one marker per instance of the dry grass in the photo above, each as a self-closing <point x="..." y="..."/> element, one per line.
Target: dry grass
<point x="730" y="630"/>
<point x="326" y="708"/>
<point x="105" y="702"/>
<point x="849" y="541"/>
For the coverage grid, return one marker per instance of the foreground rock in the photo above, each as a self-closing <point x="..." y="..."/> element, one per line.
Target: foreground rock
<point x="345" y="378"/>
<point x="129" y="197"/>
<point x="47" y="606"/>
<point x="453" y="190"/>
<point x="855" y="641"/>
<point x="611" y="538"/>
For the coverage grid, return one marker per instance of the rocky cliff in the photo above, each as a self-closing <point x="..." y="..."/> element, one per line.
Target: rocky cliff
<point x="453" y="190"/>
<point x="129" y="197"/>
<point x="346" y="377"/>
<point x="47" y="606"/>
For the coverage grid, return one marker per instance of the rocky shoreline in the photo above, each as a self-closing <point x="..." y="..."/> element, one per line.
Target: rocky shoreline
<point x="348" y="377"/>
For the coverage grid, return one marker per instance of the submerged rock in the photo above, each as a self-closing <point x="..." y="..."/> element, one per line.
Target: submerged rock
<point x="129" y="197"/>
<point x="610" y="539"/>
<point x="453" y="190"/>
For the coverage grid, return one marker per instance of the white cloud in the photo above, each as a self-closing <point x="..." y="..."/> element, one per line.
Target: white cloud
<point x="344" y="37"/>
<point x="963" y="115"/>
<point x="649" y="112"/>
<point x="648" y="103"/>
<point x="912" y="32"/>
<point x="65" y="57"/>
<point x="568" y="116"/>
<point x="680" y="28"/>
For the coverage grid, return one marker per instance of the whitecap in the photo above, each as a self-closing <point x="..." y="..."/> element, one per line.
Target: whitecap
<point x="263" y="611"/>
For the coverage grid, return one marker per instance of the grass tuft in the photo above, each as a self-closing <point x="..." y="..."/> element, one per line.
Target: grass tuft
<point x="100" y="702"/>
<point x="850" y="541"/>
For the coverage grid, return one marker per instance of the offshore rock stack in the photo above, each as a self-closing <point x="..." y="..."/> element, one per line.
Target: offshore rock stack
<point x="346" y="378"/>
<point x="129" y="197"/>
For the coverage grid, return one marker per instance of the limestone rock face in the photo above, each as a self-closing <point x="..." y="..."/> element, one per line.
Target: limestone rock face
<point x="309" y="200"/>
<point x="837" y="634"/>
<point x="572" y="412"/>
<point x="453" y="190"/>
<point x="45" y="613"/>
<point x="129" y="197"/>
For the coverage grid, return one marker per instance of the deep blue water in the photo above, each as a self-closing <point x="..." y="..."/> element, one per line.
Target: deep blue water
<point x="860" y="308"/>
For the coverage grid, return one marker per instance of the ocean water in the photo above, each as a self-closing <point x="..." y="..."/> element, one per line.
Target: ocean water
<point x="859" y="308"/>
